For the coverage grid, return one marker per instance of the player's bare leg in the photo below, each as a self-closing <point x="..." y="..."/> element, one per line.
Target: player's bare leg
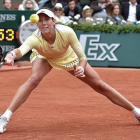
<point x="40" y="68"/>
<point x="95" y="82"/>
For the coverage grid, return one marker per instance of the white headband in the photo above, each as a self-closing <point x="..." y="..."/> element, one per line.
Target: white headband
<point x="46" y="11"/>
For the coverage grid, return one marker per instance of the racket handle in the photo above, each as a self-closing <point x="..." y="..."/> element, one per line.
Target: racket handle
<point x="8" y="61"/>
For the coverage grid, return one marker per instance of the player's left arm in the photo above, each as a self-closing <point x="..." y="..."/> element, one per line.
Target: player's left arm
<point x="75" y="44"/>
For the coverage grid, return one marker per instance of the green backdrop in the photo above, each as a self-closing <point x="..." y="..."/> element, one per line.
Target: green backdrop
<point x="101" y="49"/>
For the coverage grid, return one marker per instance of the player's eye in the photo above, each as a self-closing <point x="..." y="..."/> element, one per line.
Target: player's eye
<point x="47" y="19"/>
<point x="40" y="20"/>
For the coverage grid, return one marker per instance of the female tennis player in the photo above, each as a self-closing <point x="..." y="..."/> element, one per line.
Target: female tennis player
<point x="56" y="46"/>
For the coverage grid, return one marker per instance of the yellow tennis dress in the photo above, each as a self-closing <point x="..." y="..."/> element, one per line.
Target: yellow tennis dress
<point x="63" y="54"/>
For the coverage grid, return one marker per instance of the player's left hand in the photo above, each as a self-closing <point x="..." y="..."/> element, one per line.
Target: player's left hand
<point x="79" y="72"/>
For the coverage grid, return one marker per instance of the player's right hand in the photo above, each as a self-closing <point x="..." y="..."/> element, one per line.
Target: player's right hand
<point x="9" y="59"/>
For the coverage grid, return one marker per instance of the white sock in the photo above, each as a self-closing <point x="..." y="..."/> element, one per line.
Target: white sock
<point x="7" y="114"/>
<point x="136" y="111"/>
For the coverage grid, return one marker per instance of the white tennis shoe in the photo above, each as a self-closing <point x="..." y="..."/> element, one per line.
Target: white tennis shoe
<point x="3" y="123"/>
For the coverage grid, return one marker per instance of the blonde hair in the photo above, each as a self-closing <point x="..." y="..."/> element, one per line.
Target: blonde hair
<point x="24" y="3"/>
<point x="58" y="8"/>
<point x="83" y="12"/>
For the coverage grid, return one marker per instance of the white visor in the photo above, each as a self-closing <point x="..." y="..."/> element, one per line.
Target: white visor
<point x="46" y="11"/>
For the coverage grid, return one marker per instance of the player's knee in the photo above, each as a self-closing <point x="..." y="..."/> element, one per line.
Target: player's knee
<point x="34" y="80"/>
<point x="102" y="87"/>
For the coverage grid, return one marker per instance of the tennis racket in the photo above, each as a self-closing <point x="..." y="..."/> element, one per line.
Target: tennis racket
<point x="2" y="60"/>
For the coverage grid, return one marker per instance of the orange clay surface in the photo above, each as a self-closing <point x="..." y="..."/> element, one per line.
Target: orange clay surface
<point x="64" y="108"/>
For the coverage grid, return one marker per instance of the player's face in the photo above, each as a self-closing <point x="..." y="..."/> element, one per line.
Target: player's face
<point x="116" y="10"/>
<point x="45" y="24"/>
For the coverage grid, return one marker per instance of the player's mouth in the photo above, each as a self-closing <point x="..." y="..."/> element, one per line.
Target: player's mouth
<point x="44" y="28"/>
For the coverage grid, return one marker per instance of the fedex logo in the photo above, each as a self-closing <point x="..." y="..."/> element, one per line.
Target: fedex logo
<point x="107" y="52"/>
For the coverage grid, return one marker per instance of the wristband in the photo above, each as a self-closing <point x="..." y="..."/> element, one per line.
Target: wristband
<point x="81" y="68"/>
<point x="13" y="54"/>
<point x="8" y="61"/>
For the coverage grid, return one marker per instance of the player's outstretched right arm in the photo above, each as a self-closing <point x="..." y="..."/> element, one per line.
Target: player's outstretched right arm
<point x="13" y="55"/>
<point x="31" y="42"/>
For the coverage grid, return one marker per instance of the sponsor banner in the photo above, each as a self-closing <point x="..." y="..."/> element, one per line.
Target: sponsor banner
<point x="111" y="49"/>
<point x="107" y="51"/>
<point x="8" y="48"/>
<point x="7" y="17"/>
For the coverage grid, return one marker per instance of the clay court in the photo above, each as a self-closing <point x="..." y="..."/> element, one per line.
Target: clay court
<point x="64" y="108"/>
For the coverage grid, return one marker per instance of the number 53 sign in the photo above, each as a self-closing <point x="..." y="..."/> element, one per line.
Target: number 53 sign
<point x="7" y="35"/>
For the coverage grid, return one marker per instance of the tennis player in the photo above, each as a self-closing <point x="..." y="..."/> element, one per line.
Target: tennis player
<point x="56" y="46"/>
